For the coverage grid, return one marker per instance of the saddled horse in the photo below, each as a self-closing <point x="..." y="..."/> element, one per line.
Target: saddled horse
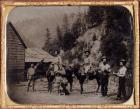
<point x="81" y="76"/>
<point x="47" y="73"/>
<point x="69" y="74"/>
<point x="40" y="72"/>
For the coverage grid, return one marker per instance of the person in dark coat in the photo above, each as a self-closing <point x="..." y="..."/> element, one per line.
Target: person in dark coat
<point x="51" y="77"/>
<point x="104" y="68"/>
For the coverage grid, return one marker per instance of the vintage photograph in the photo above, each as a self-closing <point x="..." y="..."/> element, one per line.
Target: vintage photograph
<point x="69" y="54"/>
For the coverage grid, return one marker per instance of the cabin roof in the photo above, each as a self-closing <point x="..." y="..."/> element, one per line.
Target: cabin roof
<point x="37" y="54"/>
<point x="19" y="37"/>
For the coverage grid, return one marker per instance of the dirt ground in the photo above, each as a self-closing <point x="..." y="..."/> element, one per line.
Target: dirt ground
<point x="18" y="93"/>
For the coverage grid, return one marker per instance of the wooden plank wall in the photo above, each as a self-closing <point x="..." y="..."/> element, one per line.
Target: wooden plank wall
<point x="15" y="56"/>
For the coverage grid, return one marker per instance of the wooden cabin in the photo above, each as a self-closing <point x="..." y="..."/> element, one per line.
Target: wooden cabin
<point x="34" y="56"/>
<point x="15" y="55"/>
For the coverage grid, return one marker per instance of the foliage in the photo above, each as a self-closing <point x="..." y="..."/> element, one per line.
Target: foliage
<point x="116" y="42"/>
<point x="110" y="30"/>
<point x="95" y="16"/>
<point x="48" y="38"/>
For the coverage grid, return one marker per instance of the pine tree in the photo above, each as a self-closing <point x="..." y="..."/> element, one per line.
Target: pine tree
<point x="118" y="31"/>
<point x="79" y="26"/>
<point x="65" y="25"/>
<point x="76" y="26"/>
<point x="46" y="46"/>
<point x="95" y="16"/>
<point x="59" y="36"/>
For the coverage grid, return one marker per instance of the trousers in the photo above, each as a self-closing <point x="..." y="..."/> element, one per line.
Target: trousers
<point x="121" y="88"/>
<point x="104" y="84"/>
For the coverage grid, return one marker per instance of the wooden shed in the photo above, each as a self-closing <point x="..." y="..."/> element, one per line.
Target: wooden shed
<point x="15" y="55"/>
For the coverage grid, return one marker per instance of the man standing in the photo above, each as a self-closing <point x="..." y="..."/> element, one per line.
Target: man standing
<point x="51" y="77"/>
<point x="104" y="67"/>
<point x="121" y="74"/>
<point x="31" y="71"/>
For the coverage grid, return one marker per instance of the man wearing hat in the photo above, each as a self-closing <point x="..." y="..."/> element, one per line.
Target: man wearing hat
<point x="30" y="71"/>
<point x="87" y="63"/>
<point x="121" y="74"/>
<point x="104" y="68"/>
<point x="57" y="62"/>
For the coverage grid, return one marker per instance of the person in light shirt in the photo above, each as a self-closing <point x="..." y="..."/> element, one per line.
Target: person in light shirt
<point x="31" y="71"/>
<point x="57" y="62"/>
<point x="121" y="74"/>
<point x="104" y="69"/>
<point x="87" y="63"/>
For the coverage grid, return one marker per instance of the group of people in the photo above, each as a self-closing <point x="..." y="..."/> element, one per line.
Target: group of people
<point x="104" y="69"/>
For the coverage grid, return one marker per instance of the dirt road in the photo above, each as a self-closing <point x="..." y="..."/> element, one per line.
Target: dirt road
<point x="19" y="94"/>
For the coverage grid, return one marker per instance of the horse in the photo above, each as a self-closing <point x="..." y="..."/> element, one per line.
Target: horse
<point x="81" y="76"/>
<point x="64" y="71"/>
<point x="69" y="74"/>
<point x="47" y="73"/>
<point x="40" y="72"/>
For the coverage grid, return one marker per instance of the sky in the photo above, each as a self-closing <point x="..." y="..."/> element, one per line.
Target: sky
<point x="31" y="22"/>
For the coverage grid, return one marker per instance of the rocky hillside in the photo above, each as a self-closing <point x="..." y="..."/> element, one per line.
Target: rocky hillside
<point x="90" y="40"/>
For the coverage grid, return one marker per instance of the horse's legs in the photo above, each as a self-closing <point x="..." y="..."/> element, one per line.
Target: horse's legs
<point x="51" y="83"/>
<point x="98" y="88"/>
<point x="81" y="85"/>
<point x="86" y="85"/>
<point x="58" y="88"/>
<point x="71" y="86"/>
<point x="48" y="86"/>
<point x="34" y="85"/>
<point x="51" y="87"/>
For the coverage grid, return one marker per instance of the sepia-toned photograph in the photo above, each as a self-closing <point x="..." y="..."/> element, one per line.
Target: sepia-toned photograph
<point x="70" y="55"/>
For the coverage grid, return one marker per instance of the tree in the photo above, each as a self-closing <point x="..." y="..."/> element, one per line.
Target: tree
<point x="76" y="28"/>
<point x="79" y="26"/>
<point x="46" y="46"/>
<point x="118" y="31"/>
<point x="119" y="19"/>
<point x="65" y="25"/>
<point x="68" y="41"/>
<point x="95" y="15"/>
<point x="59" y="36"/>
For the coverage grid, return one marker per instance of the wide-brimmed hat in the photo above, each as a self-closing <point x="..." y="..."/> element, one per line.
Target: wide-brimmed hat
<point x="123" y="60"/>
<point x="58" y="51"/>
<point x="104" y="57"/>
<point x="87" y="51"/>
